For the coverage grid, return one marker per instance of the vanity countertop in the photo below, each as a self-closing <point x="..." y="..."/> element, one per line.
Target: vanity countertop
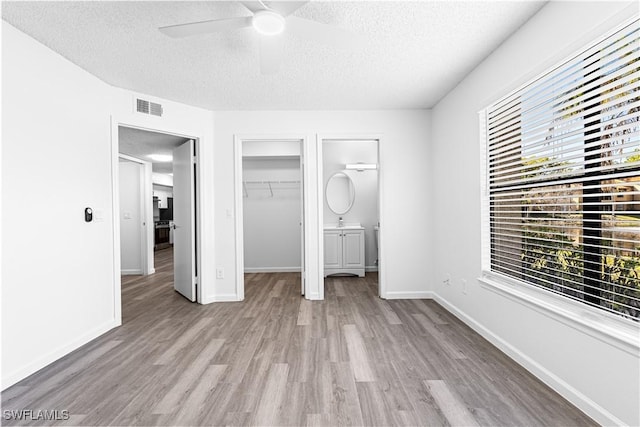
<point x="346" y="226"/>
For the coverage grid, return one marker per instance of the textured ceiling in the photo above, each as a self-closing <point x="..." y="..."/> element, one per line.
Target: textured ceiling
<point x="141" y="143"/>
<point x="415" y="52"/>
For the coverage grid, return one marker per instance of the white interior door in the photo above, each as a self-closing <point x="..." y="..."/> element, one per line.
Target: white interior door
<point x="184" y="236"/>
<point x="132" y="243"/>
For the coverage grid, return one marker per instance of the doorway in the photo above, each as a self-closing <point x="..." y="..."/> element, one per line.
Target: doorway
<point x="350" y="201"/>
<point x="169" y="192"/>
<point x="270" y="207"/>
<point x="136" y="252"/>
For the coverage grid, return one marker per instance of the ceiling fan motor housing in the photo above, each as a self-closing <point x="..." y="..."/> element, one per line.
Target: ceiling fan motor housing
<point x="268" y="22"/>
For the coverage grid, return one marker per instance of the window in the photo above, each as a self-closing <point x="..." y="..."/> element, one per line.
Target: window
<point x="562" y="173"/>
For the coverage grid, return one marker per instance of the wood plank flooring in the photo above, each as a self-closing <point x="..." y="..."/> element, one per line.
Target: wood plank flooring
<point x="277" y="359"/>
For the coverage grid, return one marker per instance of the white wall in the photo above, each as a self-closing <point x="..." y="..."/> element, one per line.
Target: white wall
<point x="335" y="154"/>
<point x="270" y="148"/>
<point x="271" y="214"/>
<point x="57" y="290"/>
<point x="57" y="298"/>
<point x="599" y="377"/>
<point x="131" y="260"/>
<point x="162" y="179"/>
<point x="404" y="154"/>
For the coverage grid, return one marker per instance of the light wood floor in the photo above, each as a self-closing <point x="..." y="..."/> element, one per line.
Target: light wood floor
<point x="277" y="359"/>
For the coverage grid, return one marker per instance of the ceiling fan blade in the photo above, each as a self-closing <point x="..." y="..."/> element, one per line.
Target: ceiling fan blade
<point x="286" y="8"/>
<point x="253" y="5"/>
<point x="323" y="33"/>
<point x="271" y="53"/>
<point x="205" y="27"/>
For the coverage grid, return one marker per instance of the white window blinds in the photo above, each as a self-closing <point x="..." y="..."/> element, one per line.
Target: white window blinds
<point x="563" y="178"/>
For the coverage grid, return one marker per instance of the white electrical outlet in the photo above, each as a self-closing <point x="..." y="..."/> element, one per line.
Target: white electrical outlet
<point x="219" y="273"/>
<point x="464" y="285"/>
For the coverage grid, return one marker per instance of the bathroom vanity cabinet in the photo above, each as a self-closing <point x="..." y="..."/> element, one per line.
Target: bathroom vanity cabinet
<point x="344" y="250"/>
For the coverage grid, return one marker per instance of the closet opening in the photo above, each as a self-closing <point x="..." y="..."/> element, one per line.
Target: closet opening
<point x="270" y="218"/>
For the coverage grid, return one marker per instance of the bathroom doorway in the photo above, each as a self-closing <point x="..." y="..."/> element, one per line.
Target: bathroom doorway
<point x="270" y="213"/>
<point x="349" y="185"/>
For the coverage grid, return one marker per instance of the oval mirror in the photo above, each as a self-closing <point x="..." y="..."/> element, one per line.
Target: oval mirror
<point x="340" y="193"/>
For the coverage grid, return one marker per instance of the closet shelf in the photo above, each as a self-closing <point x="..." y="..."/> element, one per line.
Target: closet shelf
<point x="245" y="193"/>
<point x="271" y="182"/>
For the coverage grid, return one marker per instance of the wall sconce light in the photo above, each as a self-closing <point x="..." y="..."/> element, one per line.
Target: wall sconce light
<point x="361" y="166"/>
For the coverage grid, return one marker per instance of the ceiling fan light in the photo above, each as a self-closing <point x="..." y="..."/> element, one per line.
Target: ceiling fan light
<point x="268" y="22"/>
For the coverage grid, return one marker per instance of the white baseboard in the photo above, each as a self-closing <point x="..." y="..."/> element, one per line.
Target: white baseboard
<point x="409" y="295"/>
<point x="13" y="377"/>
<point x="131" y="272"/>
<point x="221" y="298"/>
<point x="371" y="268"/>
<point x="588" y="406"/>
<point x="313" y="297"/>
<point x="152" y="271"/>
<point x="272" y="269"/>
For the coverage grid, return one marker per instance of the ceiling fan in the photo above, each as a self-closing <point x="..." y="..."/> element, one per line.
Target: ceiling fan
<point x="270" y="19"/>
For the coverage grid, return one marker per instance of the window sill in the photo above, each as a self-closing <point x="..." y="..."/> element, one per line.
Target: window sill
<point x="610" y="328"/>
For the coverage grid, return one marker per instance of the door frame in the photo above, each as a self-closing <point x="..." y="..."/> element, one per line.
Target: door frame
<point x="146" y="212"/>
<point x="116" y="122"/>
<point x="320" y="138"/>
<point x="238" y="193"/>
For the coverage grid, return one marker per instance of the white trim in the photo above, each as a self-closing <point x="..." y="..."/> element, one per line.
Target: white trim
<point x="22" y="373"/>
<point x="223" y="298"/>
<point x="371" y="268"/>
<point x="588" y="406"/>
<point x="319" y="295"/>
<point x="273" y="269"/>
<point x="131" y="272"/>
<point x="373" y="137"/>
<point x="382" y="271"/>
<point x="485" y="228"/>
<point x="115" y="214"/>
<point x="307" y="217"/>
<point x="149" y="230"/>
<point x="614" y="330"/>
<point x="146" y="210"/>
<point x="238" y="217"/>
<point x="410" y="295"/>
<point x="238" y="139"/>
<point x="313" y="296"/>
